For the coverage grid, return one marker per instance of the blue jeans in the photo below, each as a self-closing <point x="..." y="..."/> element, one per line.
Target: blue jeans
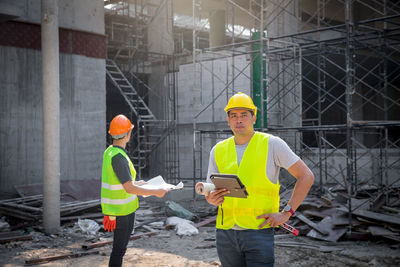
<point x="250" y="248"/>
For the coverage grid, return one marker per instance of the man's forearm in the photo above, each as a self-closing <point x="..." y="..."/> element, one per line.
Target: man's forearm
<point x="301" y="189"/>
<point x="130" y="188"/>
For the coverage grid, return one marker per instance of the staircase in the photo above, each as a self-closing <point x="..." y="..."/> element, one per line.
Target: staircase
<point x="126" y="29"/>
<point x="146" y="140"/>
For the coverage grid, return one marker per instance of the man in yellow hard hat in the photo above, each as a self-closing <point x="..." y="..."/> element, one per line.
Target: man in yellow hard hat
<point x="245" y="226"/>
<point x="119" y="190"/>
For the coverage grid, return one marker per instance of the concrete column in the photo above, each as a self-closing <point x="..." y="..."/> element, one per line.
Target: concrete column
<point x="159" y="31"/>
<point x="217" y="28"/>
<point x="51" y="117"/>
<point x="283" y="77"/>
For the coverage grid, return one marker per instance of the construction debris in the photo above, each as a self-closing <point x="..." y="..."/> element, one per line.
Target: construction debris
<point x="30" y="208"/>
<point x="54" y="258"/>
<point x="323" y="222"/>
<point x="361" y="217"/>
<point x="100" y="244"/>
<point x="181" y="226"/>
<point x="6" y="237"/>
<point x="87" y="226"/>
<point x="174" y="209"/>
<point x="4" y="226"/>
<point x="323" y="218"/>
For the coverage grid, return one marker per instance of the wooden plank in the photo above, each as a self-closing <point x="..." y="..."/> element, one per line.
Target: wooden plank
<point x="206" y="221"/>
<point x="148" y="228"/>
<point x="393" y="229"/>
<point x="360" y="204"/>
<point x="66" y="256"/>
<point x="9" y="233"/>
<point x="327" y="225"/>
<point x="100" y="244"/>
<point x="375" y="216"/>
<point x="357" y="235"/>
<point x="315" y="213"/>
<point x="391" y="210"/>
<point x="315" y="203"/>
<point x="333" y="212"/>
<point x="147" y="222"/>
<point x="21" y="207"/>
<point x="395" y="238"/>
<point x="19" y="214"/>
<point x="378" y="202"/>
<point x="369" y="222"/>
<point x="13" y="236"/>
<point x="380" y="231"/>
<point x="22" y="199"/>
<point x="83" y="216"/>
<point x="307" y="246"/>
<point x="343" y="220"/>
<point x="313" y="225"/>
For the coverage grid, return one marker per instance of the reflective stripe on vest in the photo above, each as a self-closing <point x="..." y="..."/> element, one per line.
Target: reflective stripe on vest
<point x="118" y="201"/>
<point x="263" y="194"/>
<point x="114" y="199"/>
<point x="112" y="187"/>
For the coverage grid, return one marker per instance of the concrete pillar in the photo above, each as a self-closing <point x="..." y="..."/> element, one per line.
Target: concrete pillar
<point x="217" y="28"/>
<point x="160" y="40"/>
<point x="51" y="117"/>
<point x="284" y="78"/>
<point x="160" y="35"/>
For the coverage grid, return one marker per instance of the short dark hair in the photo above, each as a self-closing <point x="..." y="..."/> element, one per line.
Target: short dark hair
<point x="250" y="110"/>
<point x="118" y="137"/>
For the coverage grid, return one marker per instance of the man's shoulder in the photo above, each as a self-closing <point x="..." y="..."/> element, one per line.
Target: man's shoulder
<point x="118" y="160"/>
<point x="118" y="156"/>
<point x="224" y="141"/>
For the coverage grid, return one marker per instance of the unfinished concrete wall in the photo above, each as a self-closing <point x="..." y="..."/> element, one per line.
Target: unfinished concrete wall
<point x="82" y="94"/>
<point x="161" y="43"/>
<point x="370" y="168"/>
<point x="83" y="15"/>
<point x="196" y="91"/>
<point x="284" y="90"/>
<point x="159" y="31"/>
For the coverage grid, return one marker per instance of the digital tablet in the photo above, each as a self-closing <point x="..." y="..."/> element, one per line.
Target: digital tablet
<point x="231" y="182"/>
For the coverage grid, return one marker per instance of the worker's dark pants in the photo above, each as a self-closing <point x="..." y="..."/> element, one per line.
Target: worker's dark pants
<point x="246" y="248"/>
<point x="122" y="233"/>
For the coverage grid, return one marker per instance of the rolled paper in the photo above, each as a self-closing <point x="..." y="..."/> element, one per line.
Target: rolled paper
<point x="204" y="188"/>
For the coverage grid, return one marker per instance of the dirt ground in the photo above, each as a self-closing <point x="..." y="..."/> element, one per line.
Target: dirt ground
<point x="168" y="249"/>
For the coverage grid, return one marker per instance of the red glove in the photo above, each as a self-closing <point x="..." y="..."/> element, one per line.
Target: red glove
<point x="109" y="223"/>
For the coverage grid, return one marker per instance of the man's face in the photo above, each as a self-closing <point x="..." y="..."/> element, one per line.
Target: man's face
<point x="241" y="121"/>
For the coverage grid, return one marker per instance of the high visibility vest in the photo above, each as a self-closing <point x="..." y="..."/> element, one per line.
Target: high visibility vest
<point x="114" y="199"/>
<point x="263" y="194"/>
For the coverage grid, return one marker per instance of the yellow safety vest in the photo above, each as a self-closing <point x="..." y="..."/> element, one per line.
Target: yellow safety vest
<point x="263" y="194"/>
<point x="114" y="199"/>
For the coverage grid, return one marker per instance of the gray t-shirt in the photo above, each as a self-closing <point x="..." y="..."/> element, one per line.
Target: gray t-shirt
<point x="279" y="156"/>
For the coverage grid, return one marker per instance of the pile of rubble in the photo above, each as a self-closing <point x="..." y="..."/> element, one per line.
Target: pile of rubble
<point x="369" y="215"/>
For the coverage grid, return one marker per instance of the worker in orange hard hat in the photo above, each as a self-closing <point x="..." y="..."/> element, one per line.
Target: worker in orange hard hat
<point x="245" y="226"/>
<point x="119" y="190"/>
<point x="120" y="126"/>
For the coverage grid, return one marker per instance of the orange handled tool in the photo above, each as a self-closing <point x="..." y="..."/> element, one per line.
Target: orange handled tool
<point x="291" y="229"/>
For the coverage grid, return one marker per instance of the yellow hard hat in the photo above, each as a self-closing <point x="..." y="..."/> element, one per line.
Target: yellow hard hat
<point x="241" y="100"/>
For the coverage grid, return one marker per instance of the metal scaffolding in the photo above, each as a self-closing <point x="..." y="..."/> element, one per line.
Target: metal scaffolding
<point x="330" y="87"/>
<point x="129" y="63"/>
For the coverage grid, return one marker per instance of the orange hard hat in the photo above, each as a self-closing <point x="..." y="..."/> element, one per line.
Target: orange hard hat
<point x="120" y="125"/>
